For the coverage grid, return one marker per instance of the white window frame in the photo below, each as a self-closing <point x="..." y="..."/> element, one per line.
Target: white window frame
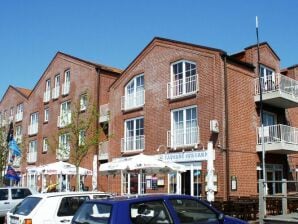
<point x="18" y="133"/>
<point x="32" y="150"/>
<point x="57" y="81"/>
<point x="182" y="87"/>
<point x="82" y="137"/>
<point x="66" y="84"/>
<point x="185" y="127"/>
<point x="63" y="152"/>
<point x="83" y="102"/>
<point x="134" y="93"/>
<point x="46" y="114"/>
<point x="45" y="144"/>
<point x="135" y="138"/>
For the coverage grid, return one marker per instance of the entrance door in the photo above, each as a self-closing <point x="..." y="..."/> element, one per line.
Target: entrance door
<point x="273" y="187"/>
<point x="185" y="185"/>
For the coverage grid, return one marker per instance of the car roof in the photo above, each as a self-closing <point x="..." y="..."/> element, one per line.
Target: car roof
<point x="144" y="197"/>
<point x="68" y="193"/>
<point x="14" y="187"/>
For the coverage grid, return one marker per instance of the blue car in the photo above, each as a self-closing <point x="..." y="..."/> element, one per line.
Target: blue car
<point x="150" y="209"/>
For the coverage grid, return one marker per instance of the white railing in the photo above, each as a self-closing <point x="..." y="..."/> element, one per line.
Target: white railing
<point x="277" y="82"/>
<point x="183" y="87"/>
<point x="33" y="129"/>
<point x="47" y="96"/>
<point x="133" y="100"/>
<point x="19" y="116"/>
<point x="183" y="137"/>
<point x="65" y="88"/>
<point x="135" y="143"/>
<point x="31" y="157"/>
<point x="64" y="120"/>
<point x="55" y="92"/>
<point x="277" y="134"/>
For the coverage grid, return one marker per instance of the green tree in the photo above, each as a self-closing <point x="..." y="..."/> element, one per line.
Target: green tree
<point x="3" y="153"/>
<point x="80" y="133"/>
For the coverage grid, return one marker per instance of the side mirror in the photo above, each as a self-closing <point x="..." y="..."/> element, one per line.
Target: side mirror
<point x="221" y="217"/>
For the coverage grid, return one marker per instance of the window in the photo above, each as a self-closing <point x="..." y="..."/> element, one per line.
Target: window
<point x="47" y="92"/>
<point x="150" y="212"/>
<point x="269" y="118"/>
<point x="69" y="205"/>
<point x="65" y="114"/>
<point x="19" y="114"/>
<point x="33" y="127"/>
<point x="11" y="112"/>
<point x="20" y="193"/>
<point x="46" y="115"/>
<point x="32" y="153"/>
<point x="193" y="211"/>
<point x="56" y="89"/>
<point x="3" y="194"/>
<point x="82" y="136"/>
<point x="134" y="93"/>
<point x="64" y="147"/>
<point x="83" y="102"/>
<point x="184" y="79"/>
<point x="66" y="84"/>
<point x="184" y="126"/>
<point x="268" y="78"/>
<point x="45" y="145"/>
<point x="134" y="135"/>
<point x="18" y="133"/>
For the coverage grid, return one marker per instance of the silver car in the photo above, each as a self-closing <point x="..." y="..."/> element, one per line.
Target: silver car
<point x="11" y="196"/>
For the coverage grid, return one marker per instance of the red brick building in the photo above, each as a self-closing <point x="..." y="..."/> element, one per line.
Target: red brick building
<point x="171" y="101"/>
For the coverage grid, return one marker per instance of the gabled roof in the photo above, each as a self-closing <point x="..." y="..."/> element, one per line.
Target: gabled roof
<point x="263" y="43"/>
<point x="165" y="40"/>
<point x="95" y="65"/>
<point x="22" y="91"/>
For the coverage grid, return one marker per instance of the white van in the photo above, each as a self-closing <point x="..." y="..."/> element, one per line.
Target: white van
<point x="50" y="208"/>
<point x="11" y="196"/>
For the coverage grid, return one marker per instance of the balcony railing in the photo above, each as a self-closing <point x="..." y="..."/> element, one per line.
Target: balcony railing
<point x="278" y="138"/>
<point x="183" y="87"/>
<point x="187" y="137"/>
<point x="19" y="116"/>
<point x="31" y="157"/>
<point x="278" y="90"/>
<point x="134" y="143"/>
<point x="64" y="120"/>
<point x="33" y="129"/>
<point x="47" y="96"/>
<point x="55" y="92"/>
<point x="103" y="151"/>
<point x="133" y="101"/>
<point x="65" y="88"/>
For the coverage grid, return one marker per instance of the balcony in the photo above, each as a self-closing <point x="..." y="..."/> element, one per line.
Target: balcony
<point x="103" y="151"/>
<point x="64" y="120"/>
<point x="65" y="88"/>
<point x="19" y="116"/>
<point x="183" y="138"/>
<point x="104" y="113"/>
<point x="55" y="92"/>
<point x="33" y="129"/>
<point x="277" y="90"/>
<point x="183" y="87"/>
<point x="133" y="144"/>
<point x="133" y="101"/>
<point x="47" y="96"/>
<point x="281" y="139"/>
<point x="31" y="157"/>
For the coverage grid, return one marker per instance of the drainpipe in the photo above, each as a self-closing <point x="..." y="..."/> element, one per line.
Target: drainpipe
<point x="226" y="131"/>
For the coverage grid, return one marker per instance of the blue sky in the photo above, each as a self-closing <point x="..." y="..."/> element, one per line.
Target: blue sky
<point x="113" y="32"/>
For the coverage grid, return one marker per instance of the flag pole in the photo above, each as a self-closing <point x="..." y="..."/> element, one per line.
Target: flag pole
<point x="261" y="112"/>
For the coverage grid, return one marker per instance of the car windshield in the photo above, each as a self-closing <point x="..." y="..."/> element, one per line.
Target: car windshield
<point x="26" y="206"/>
<point x="93" y="213"/>
<point x="193" y="211"/>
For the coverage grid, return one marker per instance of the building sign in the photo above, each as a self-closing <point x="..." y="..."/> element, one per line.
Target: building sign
<point x="184" y="156"/>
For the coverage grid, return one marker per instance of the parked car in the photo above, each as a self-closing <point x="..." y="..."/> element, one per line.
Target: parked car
<point x="11" y="196"/>
<point x="150" y="209"/>
<point x="56" y="207"/>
